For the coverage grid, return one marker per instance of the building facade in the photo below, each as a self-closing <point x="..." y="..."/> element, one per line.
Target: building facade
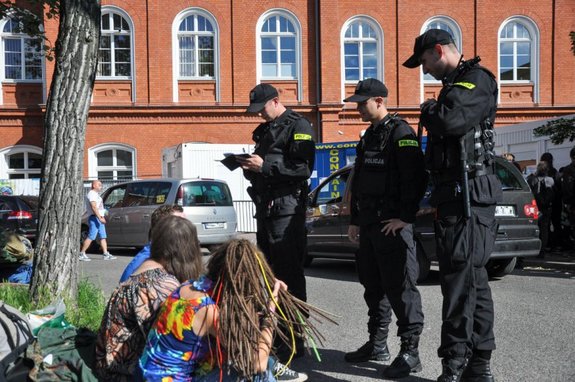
<point x="181" y="71"/>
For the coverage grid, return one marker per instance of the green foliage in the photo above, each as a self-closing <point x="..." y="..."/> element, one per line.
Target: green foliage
<point x="30" y="20"/>
<point x="86" y="312"/>
<point x="90" y="306"/>
<point x="558" y="130"/>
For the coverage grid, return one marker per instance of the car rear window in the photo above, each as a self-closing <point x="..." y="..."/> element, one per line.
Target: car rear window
<point x="509" y="180"/>
<point x="206" y="193"/>
<point x="146" y="194"/>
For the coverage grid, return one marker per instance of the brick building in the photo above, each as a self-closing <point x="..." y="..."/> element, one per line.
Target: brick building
<point x="181" y="71"/>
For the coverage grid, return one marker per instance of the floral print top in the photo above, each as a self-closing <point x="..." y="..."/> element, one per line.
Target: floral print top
<point x="173" y="351"/>
<point x="129" y="315"/>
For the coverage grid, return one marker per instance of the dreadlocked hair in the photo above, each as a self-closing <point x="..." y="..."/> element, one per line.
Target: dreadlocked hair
<point x="243" y="284"/>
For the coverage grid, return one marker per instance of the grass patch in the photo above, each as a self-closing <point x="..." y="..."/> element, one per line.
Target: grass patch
<point x="85" y="312"/>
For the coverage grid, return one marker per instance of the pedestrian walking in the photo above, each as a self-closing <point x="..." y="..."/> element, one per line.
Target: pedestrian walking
<point x="96" y="222"/>
<point x="459" y="155"/>
<point x="389" y="181"/>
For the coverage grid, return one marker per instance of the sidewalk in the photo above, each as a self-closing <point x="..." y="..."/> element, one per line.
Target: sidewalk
<point x="564" y="260"/>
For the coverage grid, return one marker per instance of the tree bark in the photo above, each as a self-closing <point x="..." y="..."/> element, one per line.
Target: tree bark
<point x="61" y="195"/>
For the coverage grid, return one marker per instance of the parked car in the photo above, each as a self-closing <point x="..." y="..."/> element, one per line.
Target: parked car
<point x="19" y="213"/>
<point x="206" y="202"/>
<point x="328" y="218"/>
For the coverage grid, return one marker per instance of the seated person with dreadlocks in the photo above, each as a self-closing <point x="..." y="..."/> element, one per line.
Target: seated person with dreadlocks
<point x="175" y="257"/>
<point x="220" y="327"/>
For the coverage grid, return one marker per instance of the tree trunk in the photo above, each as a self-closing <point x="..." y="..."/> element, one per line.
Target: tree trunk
<point x="61" y="195"/>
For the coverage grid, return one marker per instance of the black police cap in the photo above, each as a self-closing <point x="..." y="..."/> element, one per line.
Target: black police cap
<point x="366" y="89"/>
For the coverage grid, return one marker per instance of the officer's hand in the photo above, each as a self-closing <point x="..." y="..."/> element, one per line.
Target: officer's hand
<point x="353" y="233"/>
<point x="392" y="226"/>
<point x="252" y="163"/>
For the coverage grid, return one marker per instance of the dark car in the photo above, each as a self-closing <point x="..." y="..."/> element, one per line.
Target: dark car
<point x="19" y="213"/>
<point x="328" y="219"/>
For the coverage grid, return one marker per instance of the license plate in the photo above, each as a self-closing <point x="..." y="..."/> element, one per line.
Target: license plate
<point x="214" y="225"/>
<point x="505" y="211"/>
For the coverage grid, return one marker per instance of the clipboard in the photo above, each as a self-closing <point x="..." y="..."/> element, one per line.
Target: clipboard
<point x="230" y="160"/>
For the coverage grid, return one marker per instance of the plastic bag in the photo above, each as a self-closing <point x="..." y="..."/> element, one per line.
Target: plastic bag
<point x="51" y="316"/>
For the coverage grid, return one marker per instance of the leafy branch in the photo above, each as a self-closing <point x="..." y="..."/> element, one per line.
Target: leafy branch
<point x="558" y="130"/>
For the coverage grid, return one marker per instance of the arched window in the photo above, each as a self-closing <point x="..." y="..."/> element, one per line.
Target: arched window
<point x="518" y="45"/>
<point x="278" y="46"/>
<point x="448" y="25"/>
<point x="115" y="53"/>
<point x="21" y="162"/>
<point x="362" y="47"/>
<point x="197" y="46"/>
<point x="22" y="54"/>
<point x="112" y="162"/>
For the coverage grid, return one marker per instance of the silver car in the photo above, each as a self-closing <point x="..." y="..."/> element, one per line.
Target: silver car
<point x="206" y="202"/>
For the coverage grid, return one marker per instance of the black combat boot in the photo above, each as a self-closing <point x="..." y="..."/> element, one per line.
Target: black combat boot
<point x="478" y="368"/>
<point x="452" y="369"/>
<point x="407" y="361"/>
<point x="373" y="350"/>
<point x="369" y="352"/>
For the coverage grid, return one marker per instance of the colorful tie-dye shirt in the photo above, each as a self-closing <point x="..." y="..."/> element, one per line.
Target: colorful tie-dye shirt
<point x="173" y="351"/>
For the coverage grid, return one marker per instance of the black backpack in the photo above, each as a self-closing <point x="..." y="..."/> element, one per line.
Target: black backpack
<point x="15" y="337"/>
<point x="543" y="194"/>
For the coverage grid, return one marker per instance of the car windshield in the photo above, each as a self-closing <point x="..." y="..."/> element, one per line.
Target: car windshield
<point x="206" y="193"/>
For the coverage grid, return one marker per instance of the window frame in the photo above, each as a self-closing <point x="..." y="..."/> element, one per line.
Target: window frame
<point x="292" y="18"/>
<point x="110" y="11"/>
<point x="180" y="17"/>
<point x="94" y="168"/>
<point x="533" y="29"/>
<point x="22" y="37"/>
<point x="361" y="40"/>
<point x="6" y="170"/>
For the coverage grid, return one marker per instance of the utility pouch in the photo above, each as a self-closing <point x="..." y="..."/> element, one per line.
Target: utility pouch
<point x="485" y="189"/>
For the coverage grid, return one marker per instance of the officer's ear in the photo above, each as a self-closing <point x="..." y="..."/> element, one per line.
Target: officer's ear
<point x="380" y="101"/>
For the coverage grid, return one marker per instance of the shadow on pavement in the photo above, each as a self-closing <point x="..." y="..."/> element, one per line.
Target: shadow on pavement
<point x="333" y="364"/>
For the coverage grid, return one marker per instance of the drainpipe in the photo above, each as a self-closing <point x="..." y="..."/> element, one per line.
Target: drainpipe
<point x="318" y="72"/>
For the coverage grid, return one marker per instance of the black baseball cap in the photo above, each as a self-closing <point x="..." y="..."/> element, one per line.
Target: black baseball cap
<point x="259" y="95"/>
<point x="366" y="89"/>
<point x="427" y="40"/>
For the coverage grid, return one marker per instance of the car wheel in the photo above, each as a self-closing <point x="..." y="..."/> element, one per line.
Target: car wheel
<point x="423" y="263"/>
<point x="500" y="267"/>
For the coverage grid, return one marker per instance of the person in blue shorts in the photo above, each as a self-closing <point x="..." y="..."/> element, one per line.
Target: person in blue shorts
<point x="96" y="222"/>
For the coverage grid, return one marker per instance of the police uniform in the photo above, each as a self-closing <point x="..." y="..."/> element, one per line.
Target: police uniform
<point x="279" y="192"/>
<point x="460" y="123"/>
<point x="389" y="181"/>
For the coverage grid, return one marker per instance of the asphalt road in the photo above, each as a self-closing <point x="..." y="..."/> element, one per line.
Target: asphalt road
<point x="535" y="314"/>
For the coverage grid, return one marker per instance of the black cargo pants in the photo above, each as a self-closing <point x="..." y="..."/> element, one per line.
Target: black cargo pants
<point x="283" y="240"/>
<point x="463" y="249"/>
<point x="387" y="269"/>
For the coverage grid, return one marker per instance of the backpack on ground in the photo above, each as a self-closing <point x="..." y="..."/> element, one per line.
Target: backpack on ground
<point x="15" y="337"/>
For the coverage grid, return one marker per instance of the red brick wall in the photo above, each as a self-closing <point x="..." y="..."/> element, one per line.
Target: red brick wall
<point x="154" y="121"/>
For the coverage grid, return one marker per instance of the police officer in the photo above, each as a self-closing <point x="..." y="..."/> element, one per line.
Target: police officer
<point x="459" y="155"/>
<point x="278" y="171"/>
<point x="388" y="183"/>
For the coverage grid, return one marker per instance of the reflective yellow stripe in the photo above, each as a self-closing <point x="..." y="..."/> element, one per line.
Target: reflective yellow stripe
<point x="302" y="137"/>
<point x="407" y="142"/>
<point x="467" y="85"/>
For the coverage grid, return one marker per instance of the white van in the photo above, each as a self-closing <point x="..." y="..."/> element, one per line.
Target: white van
<point x="206" y="202"/>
